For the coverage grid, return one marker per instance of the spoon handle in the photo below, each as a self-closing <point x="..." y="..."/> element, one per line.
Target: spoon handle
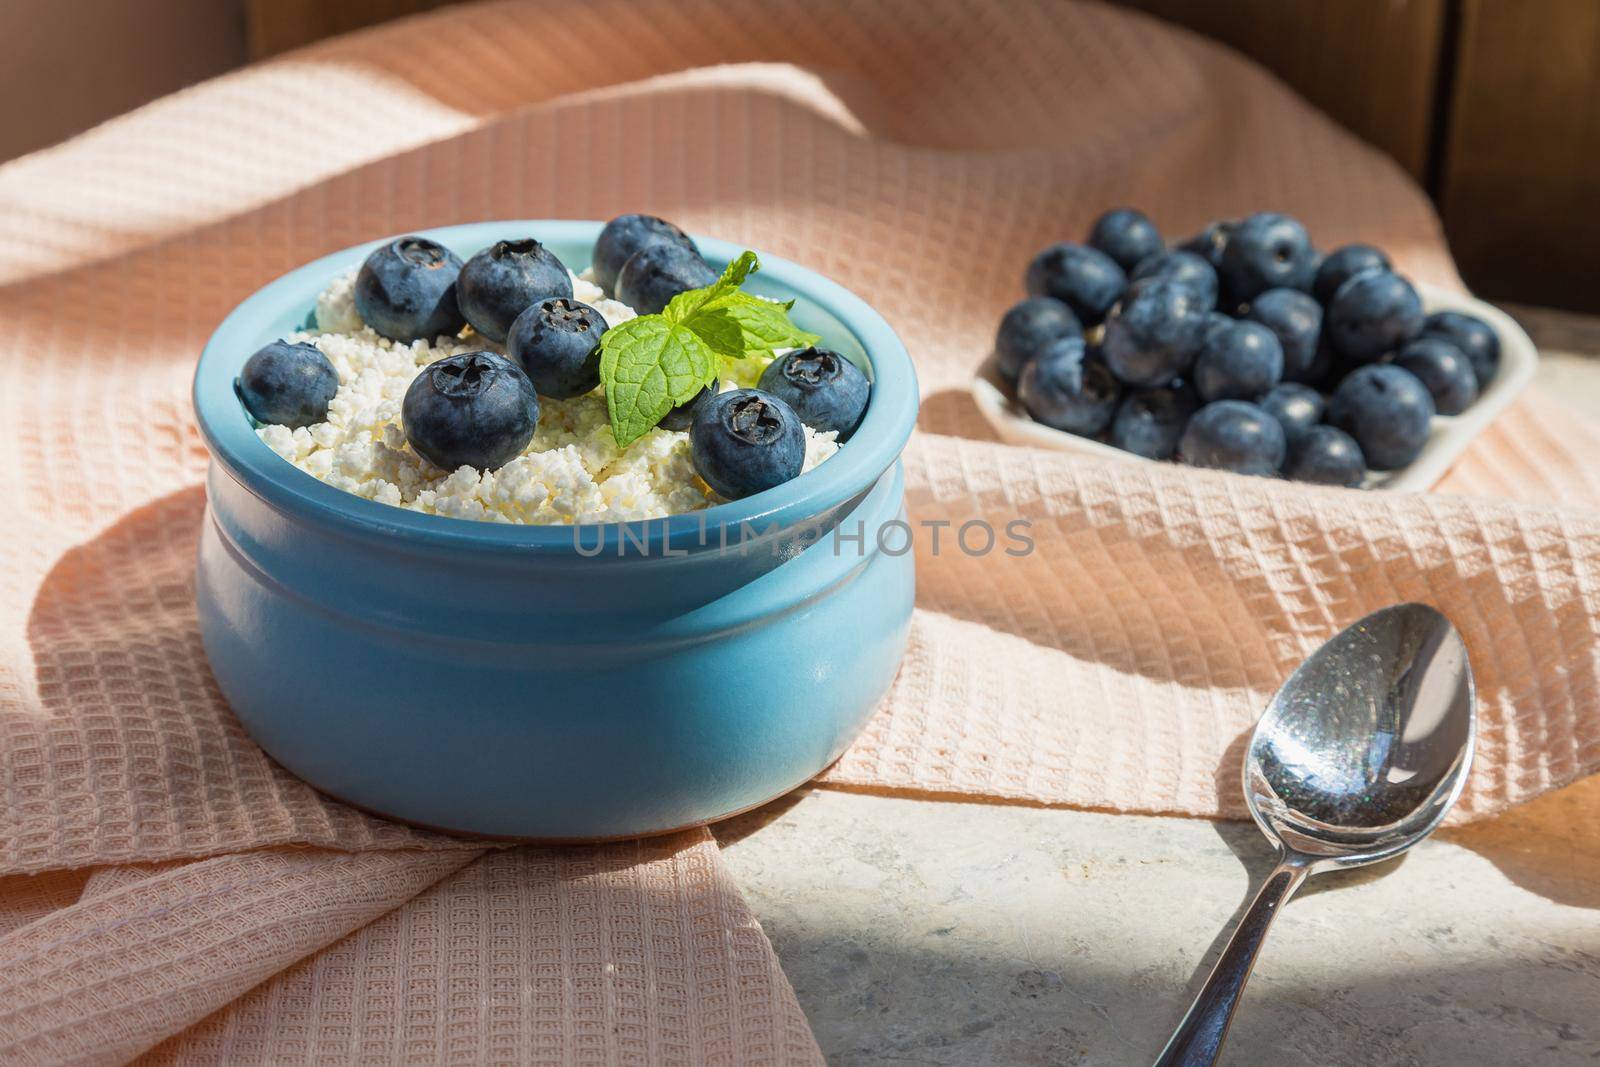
<point x="1198" y="1039"/>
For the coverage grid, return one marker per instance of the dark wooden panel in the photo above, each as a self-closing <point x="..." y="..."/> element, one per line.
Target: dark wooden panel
<point x="1371" y="64"/>
<point x="1520" y="186"/>
<point x="279" y="25"/>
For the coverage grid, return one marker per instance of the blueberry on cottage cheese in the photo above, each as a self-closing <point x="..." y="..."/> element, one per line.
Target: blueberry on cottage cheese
<point x="1239" y="361"/>
<point x="506" y="278"/>
<point x="1266" y="251"/>
<point x="1026" y="328"/>
<point x="1326" y="455"/>
<point x="406" y="290"/>
<point x="1345" y="263"/>
<point x="682" y="417"/>
<point x="1232" y="435"/>
<point x="1296" y="319"/>
<point x="746" y="441"/>
<point x="1153" y="335"/>
<point x="1387" y="410"/>
<point x="1086" y="279"/>
<point x="288" y="385"/>
<point x="1444" y="369"/>
<point x="1127" y="236"/>
<point x="656" y="273"/>
<point x="1476" y="339"/>
<point x="826" y="390"/>
<point x="1150" y="422"/>
<point x="1371" y="315"/>
<point x="557" y="343"/>
<point x="1297" y="408"/>
<point x="475" y="409"/>
<point x="1183" y="267"/>
<point x="1064" y="387"/>
<point x="625" y="235"/>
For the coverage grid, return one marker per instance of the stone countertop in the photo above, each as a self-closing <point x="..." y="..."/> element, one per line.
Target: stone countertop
<point x="931" y="932"/>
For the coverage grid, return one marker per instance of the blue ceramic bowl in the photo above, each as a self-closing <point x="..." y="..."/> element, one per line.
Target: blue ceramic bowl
<point x="556" y="682"/>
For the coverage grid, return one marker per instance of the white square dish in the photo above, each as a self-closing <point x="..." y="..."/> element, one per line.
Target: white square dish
<point x="1447" y="439"/>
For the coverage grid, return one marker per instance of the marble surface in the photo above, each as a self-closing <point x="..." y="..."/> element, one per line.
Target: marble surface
<point x="930" y="932"/>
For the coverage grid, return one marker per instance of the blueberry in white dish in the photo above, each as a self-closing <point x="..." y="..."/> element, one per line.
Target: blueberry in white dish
<point x="1153" y="335"/>
<point x="557" y="344"/>
<point x="475" y="409"/>
<point x="1476" y="339"/>
<point x="1344" y="263"/>
<point x="1296" y="406"/>
<point x="1325" y="455"/>
<point x="1127" y="236"/>
<point x="625" y="235"/>
<point x="505" y="279"/>
<point x="1387" y="410"/>
<point x="1237" y="361"/>
<point x="746" y="441"/>
<point x="1186" y="268"/>
<point x="1444" y="369"/>
<point x="1065" y="388"/>
<point x="1149" y="422"/>
<point x="652" y="276"/>
<point x="682" y="417"/>
<point x="1026" y="327"/>
<point x="826" y="390"/>
<point x="1265" y="251"/>
<point x="288" y="384"/>
<point x="1233" y="435"/>
<point x="1373" y="314"/>
<point x="1085" y="279"/>
<point x="406" y="290"/>
<point x="1295" y="318"/>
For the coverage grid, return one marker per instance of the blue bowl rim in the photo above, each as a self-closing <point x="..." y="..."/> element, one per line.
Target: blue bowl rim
<point x="233" y="442"/>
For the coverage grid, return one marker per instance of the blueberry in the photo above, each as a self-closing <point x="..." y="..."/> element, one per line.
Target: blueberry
<point x="1472" y="335"/>
<point x="1239" y="361"/>
<point x="1296" y="319"/>
<point x="1266" y="251"/>
<point x="1296" y="407"/>
<point x="682" y="417"/>
<point x="625" y="235"/>
<point x="1326" y="456"/>
<point x="1387" y="410"/>
<point x="1154" y="334"/>
<point x="1086" y="279"/>
<point x="1232" y="435"/>
<point x="1444" y="369"/>
<point x="656" y="273"/>
<point x="505" y="279"/>
<point x="406" y="290"/>
<point x="1026" y="328"/>
<point x="1150" y="422"/>
<point x="1345" y="263"/>
<point x="1371" y="315"/>
<point x="745" y="441"/>
<point x="1065" y="388"/>
<point x="1210" y="242"/>
<point x="474" y="409"/>
<point x="1127" y="236"/>
<point x="557" y="343"/>
<point x="1183" y="267"/>
<point x="288" y="384"/>
<point x="826" y="390"/>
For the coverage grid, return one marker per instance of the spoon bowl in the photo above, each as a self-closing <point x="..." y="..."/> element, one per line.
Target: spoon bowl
<point x="1358" y="757"/>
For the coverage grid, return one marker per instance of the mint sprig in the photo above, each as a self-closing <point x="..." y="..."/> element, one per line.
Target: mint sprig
<point x="651" y="364"/>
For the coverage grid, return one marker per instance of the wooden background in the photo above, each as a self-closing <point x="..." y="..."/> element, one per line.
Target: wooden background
<point x="1493" y="105"/>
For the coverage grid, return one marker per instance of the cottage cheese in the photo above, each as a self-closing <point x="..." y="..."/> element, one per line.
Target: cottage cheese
<point x="572" y="470"/>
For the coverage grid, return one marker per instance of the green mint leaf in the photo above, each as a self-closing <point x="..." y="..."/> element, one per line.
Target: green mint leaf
<point x="649" y="366"/>
<point x="685" y="304"/>
<point x="741" y="325"/>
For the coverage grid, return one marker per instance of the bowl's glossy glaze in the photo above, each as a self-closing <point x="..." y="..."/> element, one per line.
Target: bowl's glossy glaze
<point x="554" y="682"/>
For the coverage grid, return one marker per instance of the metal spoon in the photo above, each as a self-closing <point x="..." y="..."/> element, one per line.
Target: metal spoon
<point x="1357" y="758"/>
